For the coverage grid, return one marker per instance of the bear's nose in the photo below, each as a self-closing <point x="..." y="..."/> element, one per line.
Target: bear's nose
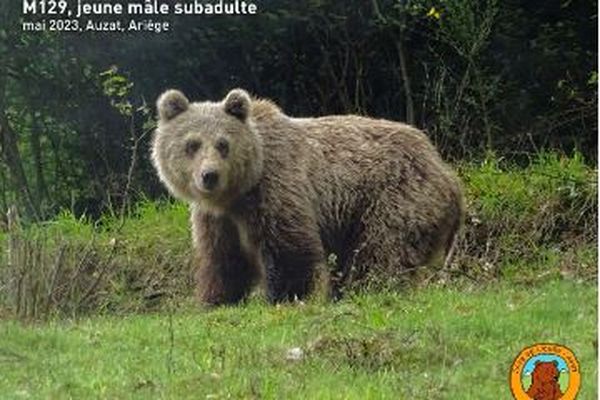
<point x="210" y="179"/>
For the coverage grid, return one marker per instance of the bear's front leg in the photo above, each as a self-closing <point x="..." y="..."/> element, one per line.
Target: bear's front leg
<point x="294" y="252"/>
<point x="224" y="276"/>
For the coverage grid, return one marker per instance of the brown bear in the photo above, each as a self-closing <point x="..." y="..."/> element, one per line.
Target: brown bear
<point x="273" y="196"/>
<point x="544" y="382"/>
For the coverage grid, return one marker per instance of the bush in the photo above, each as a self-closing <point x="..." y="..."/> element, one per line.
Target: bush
<point x="71" y="265"/>
<point x="532" y="222"/>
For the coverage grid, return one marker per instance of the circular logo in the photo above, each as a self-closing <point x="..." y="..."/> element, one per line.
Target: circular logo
<point x="545" y="371"/>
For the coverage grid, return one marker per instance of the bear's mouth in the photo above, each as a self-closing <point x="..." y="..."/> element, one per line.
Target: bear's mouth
<point x="203" y="192"/>
<point x="215" y="195"/>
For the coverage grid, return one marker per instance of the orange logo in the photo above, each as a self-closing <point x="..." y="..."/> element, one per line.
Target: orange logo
<point x="545" y="371"/>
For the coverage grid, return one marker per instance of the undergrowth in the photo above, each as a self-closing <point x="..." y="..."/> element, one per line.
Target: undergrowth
<point x="529" y="223"/>
<point x="523" y="224"/>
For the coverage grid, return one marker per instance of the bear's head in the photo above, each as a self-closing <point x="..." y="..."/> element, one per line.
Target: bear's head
<point x="207" y="153"/>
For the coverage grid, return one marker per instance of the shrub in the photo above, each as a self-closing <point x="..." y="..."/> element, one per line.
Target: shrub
<point x="71" y="265"/>
<point x="527" y="223"/>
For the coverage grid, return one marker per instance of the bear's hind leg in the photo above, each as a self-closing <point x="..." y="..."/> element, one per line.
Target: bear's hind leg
<point x="397" y="237"/>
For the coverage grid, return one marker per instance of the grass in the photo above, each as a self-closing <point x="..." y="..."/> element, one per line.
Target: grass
<point x="436" y="343"/>
<point x="525" y="224"/>
<point x="102" y="309"/>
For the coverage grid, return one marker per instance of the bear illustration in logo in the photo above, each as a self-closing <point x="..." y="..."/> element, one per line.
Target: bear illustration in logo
<point x="544" y="382"/>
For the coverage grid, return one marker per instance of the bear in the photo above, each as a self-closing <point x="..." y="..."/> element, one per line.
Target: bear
<point x="272" y="197"/>
<point x="544" y="381"/>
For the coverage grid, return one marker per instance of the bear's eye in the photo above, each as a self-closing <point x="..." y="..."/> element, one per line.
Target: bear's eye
<point x="222" y="147"/>
<point x="192" y="147"/>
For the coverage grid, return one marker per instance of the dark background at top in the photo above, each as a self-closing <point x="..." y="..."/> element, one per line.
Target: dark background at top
<point x="511" y="78"/>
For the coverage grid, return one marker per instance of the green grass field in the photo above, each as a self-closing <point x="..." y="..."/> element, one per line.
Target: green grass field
<point x="525" y="271"/>
<point x="423" y="344"/>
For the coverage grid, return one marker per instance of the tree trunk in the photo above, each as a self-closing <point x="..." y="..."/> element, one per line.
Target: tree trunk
<point x="409" y="107"/>
<point x="36" y="149"/>
<point x="9" y="151"/>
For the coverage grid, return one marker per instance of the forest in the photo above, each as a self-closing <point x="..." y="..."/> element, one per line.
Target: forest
<point x="510" y="78"/>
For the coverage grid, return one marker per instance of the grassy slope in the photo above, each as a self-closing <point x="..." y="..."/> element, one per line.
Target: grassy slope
<point x="427" y="344"/>
<point x="524" y="225"/>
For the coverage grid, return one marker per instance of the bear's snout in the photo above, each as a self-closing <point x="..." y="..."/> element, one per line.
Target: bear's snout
<point x="210" y="179"/>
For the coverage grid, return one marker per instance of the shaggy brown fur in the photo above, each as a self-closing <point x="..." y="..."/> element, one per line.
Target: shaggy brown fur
<point x="290" y="191"/>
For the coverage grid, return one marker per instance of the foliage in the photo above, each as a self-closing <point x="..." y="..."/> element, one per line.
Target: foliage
<point x="71" y="265"/>
<point x="530" y="223"/>
<point x="514" y="78"/>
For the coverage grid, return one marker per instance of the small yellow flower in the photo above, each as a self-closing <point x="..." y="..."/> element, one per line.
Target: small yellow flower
<point x="433" y="13"/>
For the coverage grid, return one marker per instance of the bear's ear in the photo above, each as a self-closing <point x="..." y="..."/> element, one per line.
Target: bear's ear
<point x="171" y="103"/>
<point x="237" y="103"/>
